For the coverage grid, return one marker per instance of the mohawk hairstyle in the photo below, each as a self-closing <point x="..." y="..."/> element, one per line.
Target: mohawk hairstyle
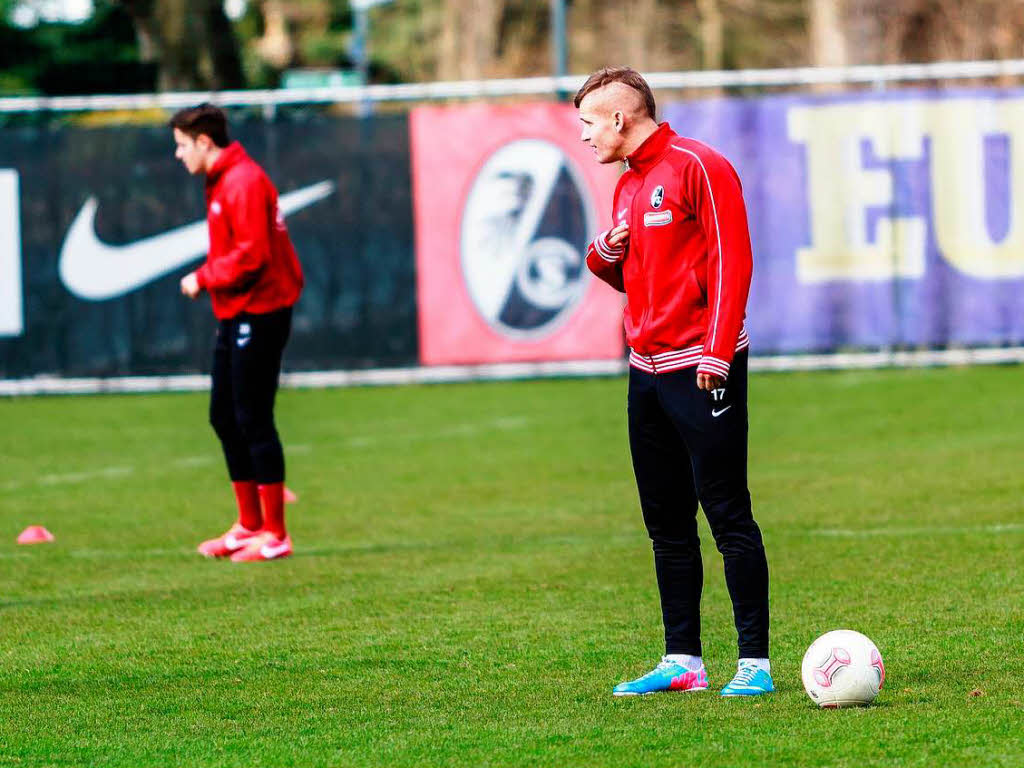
<point x="625" y="75"/>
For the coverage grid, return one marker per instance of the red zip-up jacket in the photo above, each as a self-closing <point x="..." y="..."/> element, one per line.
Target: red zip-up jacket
<point x="251" y="266"/>
<point x="687" y="265"/>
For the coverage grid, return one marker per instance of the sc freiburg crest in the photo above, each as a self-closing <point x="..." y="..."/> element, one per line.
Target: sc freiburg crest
<point x="525" y="225"/>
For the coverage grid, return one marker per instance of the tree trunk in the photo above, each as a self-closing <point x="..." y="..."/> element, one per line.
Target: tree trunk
<point x="222" y="47"/>
<point x="828" y="44"/>
<point x="448" y="45"/>
<point x="191" y="41"/>
<point x="276" y="46"/>
<point x="711" y="34"/>
<point x="634" y="30"/>
<point x="468" y="48"/>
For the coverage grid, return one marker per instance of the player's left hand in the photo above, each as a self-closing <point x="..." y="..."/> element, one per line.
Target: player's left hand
<point x="190" y="285"/>
<point x="708" y="381"/>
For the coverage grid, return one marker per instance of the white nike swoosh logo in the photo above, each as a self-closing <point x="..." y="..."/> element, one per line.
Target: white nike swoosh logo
<point x="622" y="213"/>
<point x="271" y="552"/>
<point x="94" y="270"/>
<point x="716" y="414"/>
<point x="242" y="342"/>
<point x="230" y="542"/>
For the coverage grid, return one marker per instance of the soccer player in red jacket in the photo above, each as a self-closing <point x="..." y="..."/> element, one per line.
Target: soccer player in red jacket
<point x="680" y="251"/>
<point x="253" y="277"/>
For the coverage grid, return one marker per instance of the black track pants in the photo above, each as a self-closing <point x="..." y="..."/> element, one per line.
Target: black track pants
<point x="689" y="446"/>
<point x="246" y="366"/>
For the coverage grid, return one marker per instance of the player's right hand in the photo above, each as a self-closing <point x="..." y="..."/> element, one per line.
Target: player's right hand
<point x="611" y="245"/>
<point x="190" y="285"/>
<point x="618" y="235"/>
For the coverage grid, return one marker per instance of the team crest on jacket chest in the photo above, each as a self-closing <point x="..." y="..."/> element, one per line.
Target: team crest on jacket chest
<point x="657" y="196"/>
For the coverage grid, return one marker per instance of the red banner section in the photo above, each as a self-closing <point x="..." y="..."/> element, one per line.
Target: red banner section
<point x="505" y="201"/>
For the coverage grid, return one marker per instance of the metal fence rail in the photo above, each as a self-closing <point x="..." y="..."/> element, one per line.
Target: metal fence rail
<point x="531" y="86"/>
<point x="447" y="374"/>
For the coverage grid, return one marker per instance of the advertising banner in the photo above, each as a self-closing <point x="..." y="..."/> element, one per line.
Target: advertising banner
<point x="456" y="235"/>
<point x="97" y="226"/>
<point x="506" y="201"/>
<point x="877" y="219"/>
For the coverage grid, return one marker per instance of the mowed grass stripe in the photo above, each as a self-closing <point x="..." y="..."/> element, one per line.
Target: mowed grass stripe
<point x="472" y="576"/>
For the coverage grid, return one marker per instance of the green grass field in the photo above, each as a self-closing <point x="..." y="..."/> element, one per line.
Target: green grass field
<point x="472" y="576"/>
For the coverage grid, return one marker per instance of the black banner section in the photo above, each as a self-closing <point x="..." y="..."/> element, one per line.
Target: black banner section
<point x="109" y="222"/>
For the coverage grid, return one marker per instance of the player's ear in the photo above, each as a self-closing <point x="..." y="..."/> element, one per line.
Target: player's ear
<point x="620" y="121"/>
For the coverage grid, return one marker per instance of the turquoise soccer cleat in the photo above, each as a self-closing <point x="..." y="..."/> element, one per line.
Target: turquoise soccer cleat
<point x="750" y="680"/>
<point x="667" y="676"/>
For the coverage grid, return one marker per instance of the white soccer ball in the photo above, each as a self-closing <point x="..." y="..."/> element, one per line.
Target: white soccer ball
<point x="842" y="668"/>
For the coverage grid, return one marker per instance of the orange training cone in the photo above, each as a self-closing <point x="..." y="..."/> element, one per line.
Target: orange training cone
<point x="35" y="534"/>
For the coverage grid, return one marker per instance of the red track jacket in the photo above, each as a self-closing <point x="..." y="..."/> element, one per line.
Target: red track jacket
<point x="251" y="266"/>
<point x="686" y="268"/>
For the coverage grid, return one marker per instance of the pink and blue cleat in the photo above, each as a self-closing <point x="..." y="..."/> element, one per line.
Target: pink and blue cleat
<point x="669" y="675"/>
<point x="750" y="680"/>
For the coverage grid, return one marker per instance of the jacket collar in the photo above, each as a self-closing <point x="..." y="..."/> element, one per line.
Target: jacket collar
<point x="233" y="154"/>
<point x="652" y="150"/>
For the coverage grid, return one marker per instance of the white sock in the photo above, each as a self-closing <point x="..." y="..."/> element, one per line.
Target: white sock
<point x="762" y="664"/>
<point x="692" y="663"/>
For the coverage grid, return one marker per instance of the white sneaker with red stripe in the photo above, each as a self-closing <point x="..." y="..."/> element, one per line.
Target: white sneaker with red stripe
<point x="264" y="546"/>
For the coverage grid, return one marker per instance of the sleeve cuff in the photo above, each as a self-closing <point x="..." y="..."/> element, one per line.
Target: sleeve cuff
<point x="605" y="251"/>
<point x="714" y="366"/>
<point x="201" y="277"/>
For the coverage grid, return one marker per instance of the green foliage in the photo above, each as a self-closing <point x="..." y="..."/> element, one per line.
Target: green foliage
<point x="472" y="576"/>
<point x="99" y="55"/>
<point x="327" y="49"/>
<point x="258" y="73"/>
<point x="250" y="25"/>
<point x="14" y="83"/>
<point x="404" y="38"/>
<point x="19" y="57"/>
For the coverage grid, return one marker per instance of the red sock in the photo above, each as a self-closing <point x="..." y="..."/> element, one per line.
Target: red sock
<point x="272" y="496"/>
<point x="248" y="497"/>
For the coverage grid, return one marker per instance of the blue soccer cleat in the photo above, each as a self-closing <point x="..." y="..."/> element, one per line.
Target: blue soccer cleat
<point x="750" y="680"/>
<point x="667" y="676"/>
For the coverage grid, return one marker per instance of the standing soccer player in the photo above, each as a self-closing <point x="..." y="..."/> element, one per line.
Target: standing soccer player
<point x="680" y="251"/>
<point x="253" y="277"/>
